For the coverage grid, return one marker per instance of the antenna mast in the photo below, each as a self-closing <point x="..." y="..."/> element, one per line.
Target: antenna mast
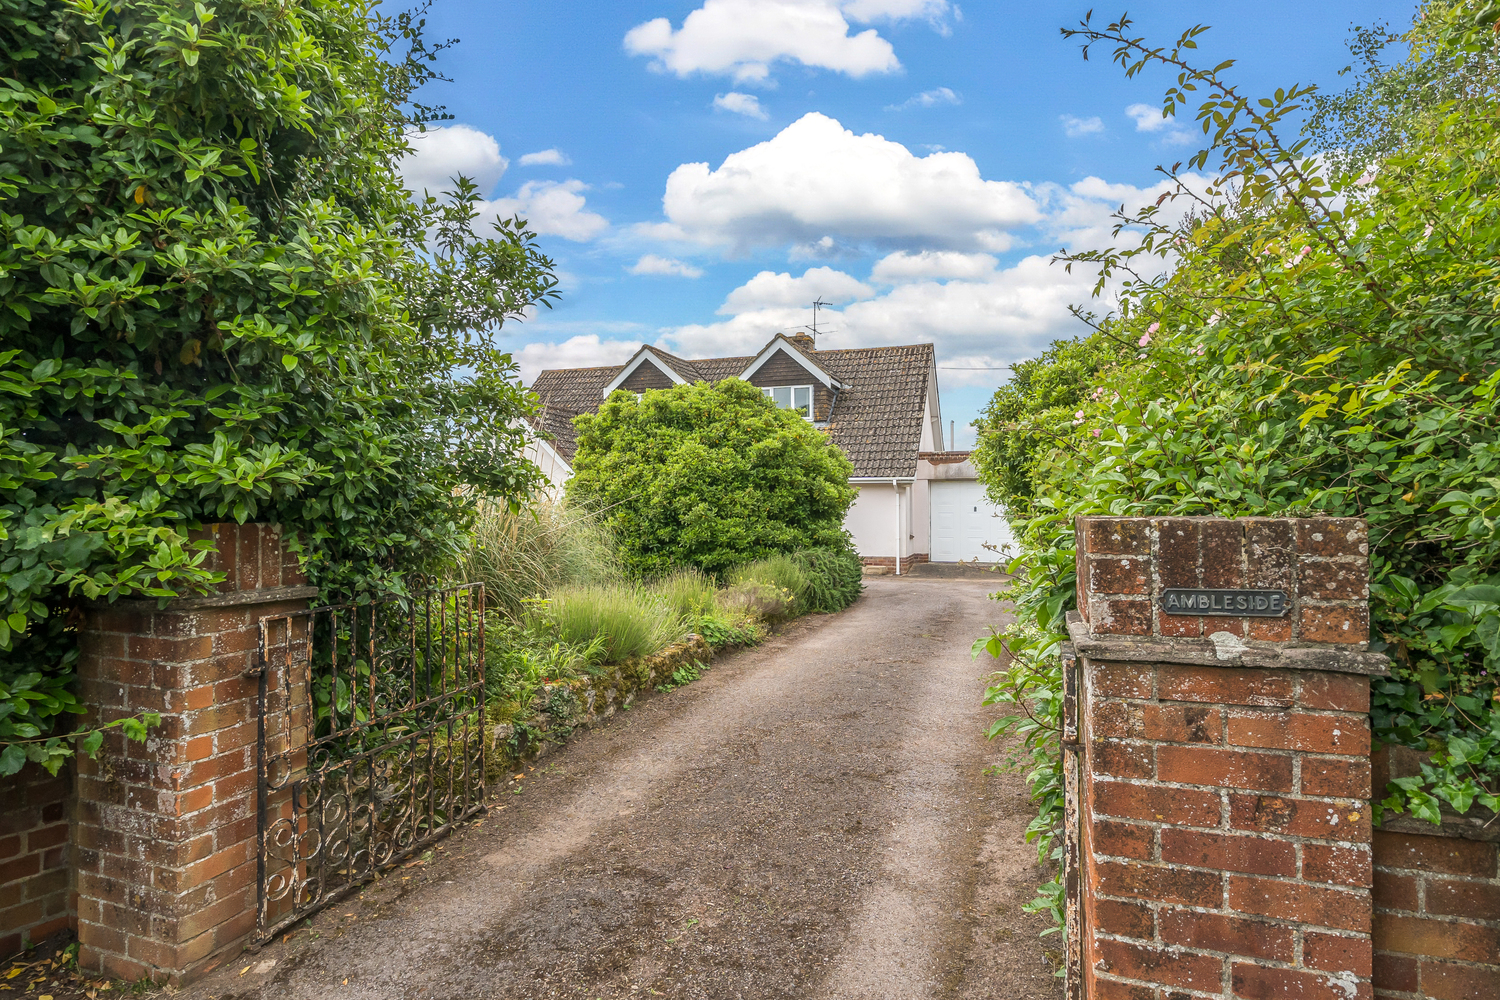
<point x="818" y="303"/>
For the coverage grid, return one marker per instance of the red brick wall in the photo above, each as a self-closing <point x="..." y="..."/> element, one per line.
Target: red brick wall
<point x="34" y="873"/>
<point x="1124" y="563"/>
<point x="890" y="561"/>
<point x="1226" y="831"/>
<point x="165" y="834"/>
<point x="1437" y="917"/>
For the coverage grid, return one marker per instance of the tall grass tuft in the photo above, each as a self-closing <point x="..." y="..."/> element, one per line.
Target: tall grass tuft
<point x="523" y="554"/>
<point x="631" y="621"/>
<point x="688" y="592"/>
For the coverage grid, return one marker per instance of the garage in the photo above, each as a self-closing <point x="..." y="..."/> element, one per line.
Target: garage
<point x="963" y="520"/>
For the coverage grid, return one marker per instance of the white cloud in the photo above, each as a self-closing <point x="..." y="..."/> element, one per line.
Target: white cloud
<point x="988" y="318"/>
<point x="981" y="316"/>
<point x="743" y="38"/>
<point x="1074" y="127"/>
<point x="769" y="290"/>
<point x="740" y="104"/>
<point x="554" y="208"/>
<point x="546" y="158"/>
<point x="927" y="99"/>
<point x="582" y="351"/>
<point x="1080" y="216"/>
<point x="932" y="264"/>
<point x="440" y="154"/>
<point x="670" y="266"/>
<point x="1148" y="118"/>
<point x="816" y="179"/>
<point x="866" y="11"/>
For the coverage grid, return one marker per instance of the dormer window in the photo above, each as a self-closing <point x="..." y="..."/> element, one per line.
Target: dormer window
<point x="793" y="397"/>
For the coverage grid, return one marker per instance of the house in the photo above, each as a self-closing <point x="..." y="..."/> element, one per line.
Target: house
<point x="917" y="501"/>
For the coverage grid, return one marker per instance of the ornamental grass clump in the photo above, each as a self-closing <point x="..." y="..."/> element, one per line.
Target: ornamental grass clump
<point x="629" y="620"/>
<point x="520" y="554"/>
<point x="688" y="592"/>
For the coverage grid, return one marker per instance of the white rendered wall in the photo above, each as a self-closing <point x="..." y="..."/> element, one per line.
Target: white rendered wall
<point x="872" y="519"/>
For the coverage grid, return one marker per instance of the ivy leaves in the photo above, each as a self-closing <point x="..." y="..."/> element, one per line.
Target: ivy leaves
<point x="219" y="302"/>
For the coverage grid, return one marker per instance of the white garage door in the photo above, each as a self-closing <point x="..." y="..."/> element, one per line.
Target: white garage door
<point x="963" y="519"/>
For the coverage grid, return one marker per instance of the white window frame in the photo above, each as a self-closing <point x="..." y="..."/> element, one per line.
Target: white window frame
<point x="812" y="398"/>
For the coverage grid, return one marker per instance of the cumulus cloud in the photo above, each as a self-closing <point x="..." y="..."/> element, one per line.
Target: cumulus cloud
<point x="743" y="39"/>
<point x="1074" y="127"/>
<point x="669" y="266"/>
<point x="546" y="158"/>
<point x="581" y="351"/>
<point x="770" y="290"/>
<point x="1148" y="118"/>
<point x="989" y="318"/>
<point x="936" y="265"/>
<point x="981" y="316"/>
<point x="554" y="208"/>
<point x="1081" y="215"/>
<point x="740" y="104"/>
<point x="441" y="154"/>
<point x="927" y="99"/>
<point x="816" y="179"/>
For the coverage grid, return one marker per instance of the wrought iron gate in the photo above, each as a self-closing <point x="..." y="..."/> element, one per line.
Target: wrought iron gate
<point x="371" y="744"/>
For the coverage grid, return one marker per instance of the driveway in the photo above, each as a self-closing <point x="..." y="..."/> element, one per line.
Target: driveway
<point x="811" y="819"/>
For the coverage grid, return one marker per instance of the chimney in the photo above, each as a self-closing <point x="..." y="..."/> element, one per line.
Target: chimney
<point x="803" y="341"/>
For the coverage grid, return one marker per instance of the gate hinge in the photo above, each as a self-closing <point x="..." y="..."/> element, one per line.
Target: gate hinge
<point x="255" y="670"/>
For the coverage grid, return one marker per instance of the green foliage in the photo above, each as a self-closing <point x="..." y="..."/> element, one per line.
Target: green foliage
<point x="708" y="476"/>
<point x="757" y="601"/>
<point x="217" y="301"/>
<point x="835" y="578"/>
<point x="685" y="674"/>
<point x="1030" y="687"/>
<point x="520" y="553"/>
<point x="523" y="655"/>
<point x="631" y="620"/>
<point x="1032" y="412"/>
<point x="1306" y="341"/>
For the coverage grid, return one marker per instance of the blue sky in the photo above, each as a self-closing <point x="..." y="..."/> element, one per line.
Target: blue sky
<point x="701" y="170"/>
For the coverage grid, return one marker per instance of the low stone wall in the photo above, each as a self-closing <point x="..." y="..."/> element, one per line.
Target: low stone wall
<point x="561" y="708"/>
<point x="35" y="890"/>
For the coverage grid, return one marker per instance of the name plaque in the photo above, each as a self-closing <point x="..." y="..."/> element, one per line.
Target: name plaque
<point x="1230" y="603"/>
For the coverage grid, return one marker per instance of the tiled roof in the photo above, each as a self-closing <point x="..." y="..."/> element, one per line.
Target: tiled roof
<point x="876" y="418"/>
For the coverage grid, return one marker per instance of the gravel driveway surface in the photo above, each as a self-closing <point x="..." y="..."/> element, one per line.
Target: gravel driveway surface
<point x="811" y="819"/>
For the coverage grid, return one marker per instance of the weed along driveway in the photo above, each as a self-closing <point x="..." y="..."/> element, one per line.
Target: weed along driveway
<point x="810" y="819"/>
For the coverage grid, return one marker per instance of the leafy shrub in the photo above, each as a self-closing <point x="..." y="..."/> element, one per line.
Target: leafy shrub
<point x="1321" y="341"/>
<point x="708" y="476"/>
<point x="721" y="628"/>
<point x="220" y="302"/>
<point x="835" y="578"/>
<point x="689" y="593"/>
<point x="519" y="554"/>
<point x="630" y="620"/>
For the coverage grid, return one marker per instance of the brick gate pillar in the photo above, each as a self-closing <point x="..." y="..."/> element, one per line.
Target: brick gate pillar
<point x="165" y="831"/>
<point x="1220" y="816"/>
